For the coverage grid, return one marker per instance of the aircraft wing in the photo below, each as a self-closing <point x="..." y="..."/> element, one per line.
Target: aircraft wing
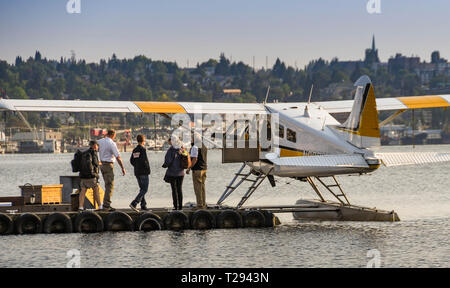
<point x="67" y="106"/>
<point x="383" y="104"/>
<point x="130" y="107"/>
<point x="412" y="158"/>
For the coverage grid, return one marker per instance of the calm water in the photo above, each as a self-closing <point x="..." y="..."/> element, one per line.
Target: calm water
<point x="421" y="196"/>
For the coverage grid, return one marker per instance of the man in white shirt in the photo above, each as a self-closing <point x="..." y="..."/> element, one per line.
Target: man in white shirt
<point x="199" y="155"/>
<point x="108" y="153"/>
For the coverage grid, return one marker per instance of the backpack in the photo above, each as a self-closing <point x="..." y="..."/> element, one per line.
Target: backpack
<point x="185" y="160"/>
<point x="76" y="162"/>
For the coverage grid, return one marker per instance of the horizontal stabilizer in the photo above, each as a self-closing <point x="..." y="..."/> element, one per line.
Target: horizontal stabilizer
<point x="412" y="158"/>
<point x="344" y="160"/>
<point x="387" y="104"/>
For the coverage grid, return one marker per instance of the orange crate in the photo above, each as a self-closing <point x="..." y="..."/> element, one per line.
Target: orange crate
<point x="43" y="194"/>
<point x="51" y="194"/>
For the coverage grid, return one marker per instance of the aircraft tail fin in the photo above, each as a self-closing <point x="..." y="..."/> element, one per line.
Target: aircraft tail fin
<point x="362" y="128"/>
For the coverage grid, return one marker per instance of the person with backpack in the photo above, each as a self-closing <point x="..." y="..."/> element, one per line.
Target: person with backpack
<point x="176" y="160"/>
<point x="89" y="169"/>
<point x="141" y="166"/>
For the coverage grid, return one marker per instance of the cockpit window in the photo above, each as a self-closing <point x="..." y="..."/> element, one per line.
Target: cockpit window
<point x="281" y="131"/>
<point x="291" y="135"/>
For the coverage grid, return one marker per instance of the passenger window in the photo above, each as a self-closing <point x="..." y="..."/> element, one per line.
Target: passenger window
<point x="269" y="131"/>
<point x="291" y="135"/>
<point x="281" y="131"/>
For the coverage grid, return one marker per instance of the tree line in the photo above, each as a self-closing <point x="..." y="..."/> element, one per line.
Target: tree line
<point x="144" y="79"/>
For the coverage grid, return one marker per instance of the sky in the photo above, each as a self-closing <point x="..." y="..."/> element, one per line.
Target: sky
<point x="192" y="31"/>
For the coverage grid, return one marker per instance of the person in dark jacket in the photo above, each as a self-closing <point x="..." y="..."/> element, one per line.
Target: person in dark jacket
<point x="175" y="174"/>
<point x="141" y="166"/>
<point x="199" y="166"/>
<point x="89" y="168"/>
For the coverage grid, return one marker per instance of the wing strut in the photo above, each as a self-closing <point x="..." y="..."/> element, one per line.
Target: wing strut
<point x="392" y="117"/>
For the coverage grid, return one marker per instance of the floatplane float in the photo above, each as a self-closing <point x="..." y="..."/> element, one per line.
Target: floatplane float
<point x="303" y="141"/>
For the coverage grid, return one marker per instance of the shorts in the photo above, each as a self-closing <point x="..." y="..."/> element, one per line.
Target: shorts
<point x="88" y="183"/>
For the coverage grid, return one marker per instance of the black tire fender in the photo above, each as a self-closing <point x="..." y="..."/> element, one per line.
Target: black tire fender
<point x="58" y="223"/>
<point x="88" y="222"/>
<point x="254" y="219"/>
<point x="148" y="222"/>
<point x="6" y="224"/>
<point x="269" y="217"/>
<point x="202" y="219"/>
<point x="118" y="221"/>
<point x="28" y="223"/>
<point x="229" y="219"/>
<point x="176" y="220"/>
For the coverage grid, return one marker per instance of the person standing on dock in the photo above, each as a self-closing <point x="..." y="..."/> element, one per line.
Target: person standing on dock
<point x="199" y="166"/>
<point x="141" y="166"/>
<point x="175" y="171"/>
<point x="89" y="174"/>
<point x="108" y="154"/>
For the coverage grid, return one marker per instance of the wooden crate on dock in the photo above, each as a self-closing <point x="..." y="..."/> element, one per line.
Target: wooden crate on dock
<point x="43" y="194"/>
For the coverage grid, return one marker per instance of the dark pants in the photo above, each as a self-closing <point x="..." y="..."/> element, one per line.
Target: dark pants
<point x="176" y="184"/>
<point x="143" y="181"/>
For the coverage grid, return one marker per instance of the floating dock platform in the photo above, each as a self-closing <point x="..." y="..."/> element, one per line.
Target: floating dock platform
<point x="18" y="215"/>
<point x="60" y="218"/>
<point x="33" y="219"/>
<point x="54" y="209"/>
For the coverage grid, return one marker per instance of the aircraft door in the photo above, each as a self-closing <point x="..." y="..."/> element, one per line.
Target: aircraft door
<point x="241" y="142"/>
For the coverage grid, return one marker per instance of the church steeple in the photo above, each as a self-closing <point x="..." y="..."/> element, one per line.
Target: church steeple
<point x="373" y="43"/>
<point x="371" y="54"/>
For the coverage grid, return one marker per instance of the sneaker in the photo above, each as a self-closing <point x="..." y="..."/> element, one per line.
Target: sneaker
<point x="144" y="208"/>
<point x="109" y="209"/>
<point x="133" y="207"/>
<point x="80" y="210"/>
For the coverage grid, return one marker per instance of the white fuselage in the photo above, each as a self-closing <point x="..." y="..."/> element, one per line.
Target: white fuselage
<point x="308" y="131"/>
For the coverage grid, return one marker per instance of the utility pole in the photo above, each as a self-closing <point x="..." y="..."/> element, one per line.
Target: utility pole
<point x="154" y="129"/>
<point x="125" y="145"/>
<point x="4" y="128"/>
<point x="413" y="127"/>
<point x="253" y="63"/>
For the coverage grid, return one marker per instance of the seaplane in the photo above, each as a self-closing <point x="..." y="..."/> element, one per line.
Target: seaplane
<point x="303" y="141"/>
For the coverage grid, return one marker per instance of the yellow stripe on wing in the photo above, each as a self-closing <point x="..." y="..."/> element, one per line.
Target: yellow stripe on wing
<point x="160" y="107"/>
<point x="290" y="153"/>
<point x="417" y="102"/>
